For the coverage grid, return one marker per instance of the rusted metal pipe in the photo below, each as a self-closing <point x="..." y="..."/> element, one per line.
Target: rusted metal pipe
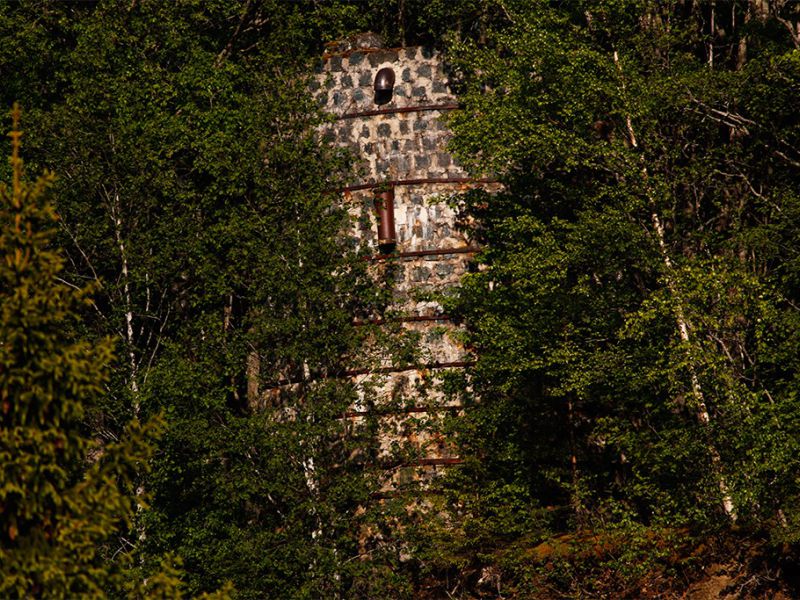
<point x="411" y="319"/>
<point x="419" y="462"/>
<point x="398" y="110"/>
<point x="400" y="369"/>
<point x="433" y="462"/>
<point x="384" y="210"/>
<point x="418" y="253"/>
<point x="355" y="372"/>
<point x="402" y="411"/>
<point x="399" y="494"/>
<point x="404" y="182"/>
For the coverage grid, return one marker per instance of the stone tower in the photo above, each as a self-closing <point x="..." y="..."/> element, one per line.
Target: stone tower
<point x="387" y="105"/>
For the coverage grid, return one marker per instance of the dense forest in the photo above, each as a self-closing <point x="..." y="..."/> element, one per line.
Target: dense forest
<point x="632" y="420"/>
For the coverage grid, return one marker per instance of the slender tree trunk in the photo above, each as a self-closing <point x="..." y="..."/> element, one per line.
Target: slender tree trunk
<point x="741" y="47"/>
<point x="712" y="32"/>
<point x="573" y="461"/>
<point x="252" y="371"/>
<point x="680" y="318"/>
<point x="116" y="216"/>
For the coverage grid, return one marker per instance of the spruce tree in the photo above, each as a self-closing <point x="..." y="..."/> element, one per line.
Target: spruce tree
<point x="63" y="497"/>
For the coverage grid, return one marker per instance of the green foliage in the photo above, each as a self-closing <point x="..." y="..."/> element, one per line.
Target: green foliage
<point x="66" y="501"/>
<point x="195" y="187"/>
<point x="405" y="22"/>
<point x="635" y="310"/>
<point x="650" y="188"/>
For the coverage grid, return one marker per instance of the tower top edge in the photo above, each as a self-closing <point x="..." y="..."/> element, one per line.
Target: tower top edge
<point x="362" y="42"/>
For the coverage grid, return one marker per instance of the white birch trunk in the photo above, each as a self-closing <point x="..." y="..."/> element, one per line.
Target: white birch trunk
<point x="116" y="212"/>
<point x="116" y="217"/>
<point x="310" y="471"/>
<point x="680" y="318"/>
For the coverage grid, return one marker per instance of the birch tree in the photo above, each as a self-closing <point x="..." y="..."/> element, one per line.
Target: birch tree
<point x="194" y="191"/>
<point x="628" y="288"/>
<point x="67" y="501"/>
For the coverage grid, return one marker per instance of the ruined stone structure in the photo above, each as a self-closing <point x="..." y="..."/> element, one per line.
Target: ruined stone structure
<point x="397" y="134"/>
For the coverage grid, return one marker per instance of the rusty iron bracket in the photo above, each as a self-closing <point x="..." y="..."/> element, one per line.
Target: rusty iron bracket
<point x="418" y="253"/>
<point x="398" y="110"/>
<point x="404" y="182"/>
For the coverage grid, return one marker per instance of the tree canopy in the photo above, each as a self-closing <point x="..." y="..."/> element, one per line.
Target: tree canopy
<point x="66" y="501"/>
<point x="635" y="319"/>
<point x="632" y="415"/>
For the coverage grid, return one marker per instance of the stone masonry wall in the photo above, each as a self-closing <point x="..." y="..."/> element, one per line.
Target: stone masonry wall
<point x="403" y="143"/>
<point x="400" y="145"/>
